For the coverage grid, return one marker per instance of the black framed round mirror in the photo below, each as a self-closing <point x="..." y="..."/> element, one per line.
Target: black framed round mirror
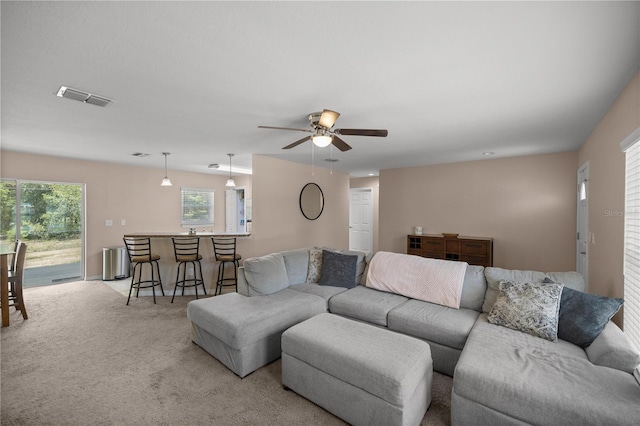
<point x="311" y="201"/>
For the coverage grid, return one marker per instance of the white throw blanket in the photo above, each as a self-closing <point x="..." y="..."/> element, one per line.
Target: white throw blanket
<point x="432" y="280"/>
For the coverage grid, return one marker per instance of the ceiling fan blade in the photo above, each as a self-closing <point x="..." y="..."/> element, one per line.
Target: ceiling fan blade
<point x="340" y="144"/>
<point x="362" y="132"/>
<point x="296" y="143"/>
<point x="328" y="118"/>
<point x="285" y="128"/>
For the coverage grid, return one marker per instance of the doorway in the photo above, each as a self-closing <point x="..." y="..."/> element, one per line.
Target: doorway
<point x="582" y="232"/>
<point x="361" y="219"/>
<point x="49" y="218"/>
<point x="235" y="211"/>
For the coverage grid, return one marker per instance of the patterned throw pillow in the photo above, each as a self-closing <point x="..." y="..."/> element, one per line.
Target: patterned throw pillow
<point x="528" y="307"/>
<point x="315" y="266"/>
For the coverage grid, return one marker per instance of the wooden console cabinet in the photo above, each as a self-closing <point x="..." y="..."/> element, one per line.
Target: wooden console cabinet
<point x="473" y="250"/>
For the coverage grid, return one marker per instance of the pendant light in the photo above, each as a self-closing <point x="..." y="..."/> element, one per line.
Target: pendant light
<point x="166" y="181"/>
<point x="230" y="183"/>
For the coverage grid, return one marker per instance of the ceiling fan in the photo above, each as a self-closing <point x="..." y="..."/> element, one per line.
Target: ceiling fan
<point x="323" y="134"/>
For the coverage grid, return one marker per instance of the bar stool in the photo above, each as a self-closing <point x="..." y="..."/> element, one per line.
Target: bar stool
<point x="225" y="252"/>
<point x="16" y="276"/>
<point x="187" y="253"/>
<point x="139" y="251"/>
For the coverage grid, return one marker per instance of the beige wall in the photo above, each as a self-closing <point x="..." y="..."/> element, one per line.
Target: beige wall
<point x="606" y="191"/>
<point x="119" y="192"/>
<point x="374" y="184"/>
<point x="278" y="223"/>
<point x="526" y="204"/>
<point x="134" y="193"/>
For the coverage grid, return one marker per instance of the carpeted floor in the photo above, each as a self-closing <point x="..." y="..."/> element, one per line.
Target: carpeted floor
<point x="84" y="357"/>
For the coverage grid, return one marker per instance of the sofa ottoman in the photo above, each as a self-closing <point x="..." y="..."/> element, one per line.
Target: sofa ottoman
<point x="361" y="373"/>
<point x="244" y="332"/>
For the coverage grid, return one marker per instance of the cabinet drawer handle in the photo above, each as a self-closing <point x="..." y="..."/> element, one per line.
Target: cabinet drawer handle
<point x="473" y="245"/>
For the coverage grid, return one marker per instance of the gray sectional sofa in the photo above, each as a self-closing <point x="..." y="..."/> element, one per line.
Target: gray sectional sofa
<point x="501" y="376"/>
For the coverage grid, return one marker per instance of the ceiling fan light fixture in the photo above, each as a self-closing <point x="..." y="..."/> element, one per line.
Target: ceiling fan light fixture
<point x="321" y="140"/>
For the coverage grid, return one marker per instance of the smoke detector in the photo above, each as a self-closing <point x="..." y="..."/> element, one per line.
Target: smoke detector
<point x="85" y="97"/>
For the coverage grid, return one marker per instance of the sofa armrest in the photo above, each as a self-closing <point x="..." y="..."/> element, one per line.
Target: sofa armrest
<point x="243" y="286"/>
<point x="612" y="348"/>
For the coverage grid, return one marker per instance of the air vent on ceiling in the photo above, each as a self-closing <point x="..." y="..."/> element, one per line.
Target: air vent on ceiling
<point x="87" y="98"/>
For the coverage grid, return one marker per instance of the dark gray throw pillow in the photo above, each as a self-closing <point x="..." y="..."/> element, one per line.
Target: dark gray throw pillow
<point x="583" y="316"/>
<point x="338" y="270"/>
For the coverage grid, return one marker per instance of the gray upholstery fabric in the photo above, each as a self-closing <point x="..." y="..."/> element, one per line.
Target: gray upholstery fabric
<point x="324" y="291"/>
<point x="365" y="304"/>
<point x="297" y="264"/>
<point x="555" y="380"/>
<point x="613" y="349"/>
<point x="474" y="287"/>
<point x="384" y="364"/>
<point x="266" y="274"/>
<point x="432" y="322"/>
<point x="241" y="361"/>
<point x="350" y="403"/>
<point x="239" y="320"/>
<point x="494" y="275"/>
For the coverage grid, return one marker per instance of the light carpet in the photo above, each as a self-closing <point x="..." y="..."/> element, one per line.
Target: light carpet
<point x="84" y="357"/>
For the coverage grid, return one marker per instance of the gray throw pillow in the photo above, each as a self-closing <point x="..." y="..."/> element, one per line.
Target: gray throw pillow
<point x="528" y="307"/>
<point x="338" y="270"/>
<point x="583" y="316"/>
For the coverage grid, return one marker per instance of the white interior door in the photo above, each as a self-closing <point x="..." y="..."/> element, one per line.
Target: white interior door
<point x="235" y="209"/>
<point x="582" y="234"/>
<point x="361" y="219"/>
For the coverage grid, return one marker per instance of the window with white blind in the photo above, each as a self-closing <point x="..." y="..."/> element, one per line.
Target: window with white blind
<point x="197" y="207"/>
<point x="631" y="147"/>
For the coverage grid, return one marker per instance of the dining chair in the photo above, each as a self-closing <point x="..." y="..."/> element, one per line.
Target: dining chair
<point x="16" y="277"/>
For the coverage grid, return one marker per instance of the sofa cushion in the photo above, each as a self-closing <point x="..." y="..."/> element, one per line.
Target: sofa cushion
<point x="315" y="266"/>
<point x="554" y="381"/>
<point x="365" y="304"/>
<point x="528" y="307"/>
<point x="266" y="274"/>
<point x="297" y="264"/>
<point x="239" y="321"/>
<point x="474" y="288"/>
<point x="338" y="270"/>
<point x="494" y="275"/>
<point x="432" y="322"/>
<point x="612" y="348"/>
<point x="324" y="291"/>
<point x="583" y="316"/>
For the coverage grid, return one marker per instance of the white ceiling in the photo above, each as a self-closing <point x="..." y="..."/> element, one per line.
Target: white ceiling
<point x="449" y="80"/>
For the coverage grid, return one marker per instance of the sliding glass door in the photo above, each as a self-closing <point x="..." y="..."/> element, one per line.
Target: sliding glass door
<point x="49" y="217"/>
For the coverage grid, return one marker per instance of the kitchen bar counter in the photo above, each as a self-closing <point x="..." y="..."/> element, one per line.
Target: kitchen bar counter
<point x="186" y="234"/>
<point x="162" y="245"/>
